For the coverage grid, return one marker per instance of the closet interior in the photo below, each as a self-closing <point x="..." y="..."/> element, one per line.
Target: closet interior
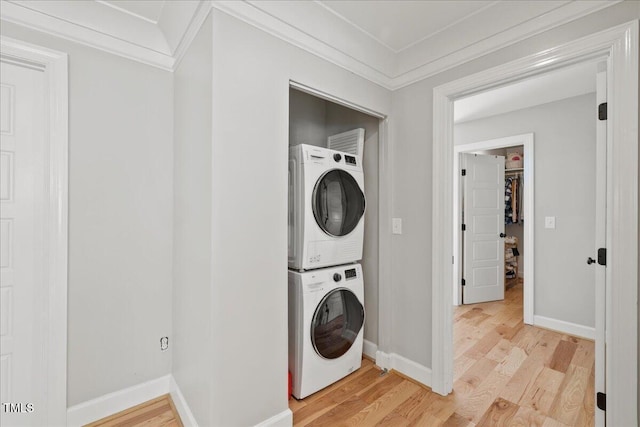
<point x="312" y="120"/>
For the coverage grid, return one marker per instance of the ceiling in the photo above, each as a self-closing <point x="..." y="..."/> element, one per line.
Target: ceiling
<point x="553" y="86"/>
<point x="391" y="43"/>
<point x="400" y="24"/>
<point x="149" y="10"/>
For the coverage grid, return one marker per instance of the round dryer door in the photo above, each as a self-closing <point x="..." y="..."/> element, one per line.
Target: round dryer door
<point x="338" y="203"/>
<point x="336" y="323"/>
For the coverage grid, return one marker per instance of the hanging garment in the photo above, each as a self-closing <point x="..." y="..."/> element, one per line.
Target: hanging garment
<point x="508" y="199"/>
<point x="520" y="198"/>
<point x="514" y="199"/>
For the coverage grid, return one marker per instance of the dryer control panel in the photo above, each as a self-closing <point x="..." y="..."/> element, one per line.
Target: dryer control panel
<point x="350" y="160"/>
<point x="350" y="274"/>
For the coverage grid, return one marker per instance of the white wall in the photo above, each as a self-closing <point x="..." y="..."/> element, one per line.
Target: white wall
<point x="411" y="134"/>
<point x="251" y="73"/>
<point x="565" y="162"/>
<point x="307" y="119"/>
<point x="120" y="218"/>
<point x="192" y="315"/>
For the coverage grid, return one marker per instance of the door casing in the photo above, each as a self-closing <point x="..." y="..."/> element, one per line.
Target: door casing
<point x="620" y="45"/>
<point x="54" y="66"/>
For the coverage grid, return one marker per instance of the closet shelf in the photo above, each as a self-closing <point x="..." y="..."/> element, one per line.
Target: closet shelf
<point x="514" y="170"/>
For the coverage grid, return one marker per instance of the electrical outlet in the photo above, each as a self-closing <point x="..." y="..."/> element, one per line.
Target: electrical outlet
<point x="550" y="222"/>
<point x="396" y="225"/>
<point x="164" y="343"/>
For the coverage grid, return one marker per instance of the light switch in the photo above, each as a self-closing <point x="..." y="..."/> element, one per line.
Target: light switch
<point x="396" y="225"/>
<point x="549" y="222"/>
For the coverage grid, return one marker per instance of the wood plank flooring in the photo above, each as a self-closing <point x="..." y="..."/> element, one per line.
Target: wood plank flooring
<point x="159" y="412"/>
<point x="505" y="374"/>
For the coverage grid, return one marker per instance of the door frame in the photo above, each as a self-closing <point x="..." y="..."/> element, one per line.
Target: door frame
<point x="526" y="140"/>
<point x="55" y="228"/>
<point x="620" y="45"/>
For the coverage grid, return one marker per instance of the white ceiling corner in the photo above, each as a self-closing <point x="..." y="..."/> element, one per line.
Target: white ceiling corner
<point x="390" y="42"/>
<point x="149" y="31"/>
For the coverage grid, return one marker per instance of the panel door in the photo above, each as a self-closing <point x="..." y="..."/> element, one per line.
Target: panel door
<point x="22" y="170"/>
<point x="483" y="216"/>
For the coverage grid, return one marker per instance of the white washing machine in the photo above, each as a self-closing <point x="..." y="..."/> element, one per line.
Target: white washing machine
<point x="326" y="326"/>
<point x="326" y="207"/>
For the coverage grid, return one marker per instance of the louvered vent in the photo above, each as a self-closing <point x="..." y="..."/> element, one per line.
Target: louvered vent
<point x="351" y="142"/>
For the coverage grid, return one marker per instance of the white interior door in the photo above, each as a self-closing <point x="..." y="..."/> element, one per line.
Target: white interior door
<point x="22" y="297"/>
<point x="600" y="242"/>
<point x="483" y="231"/>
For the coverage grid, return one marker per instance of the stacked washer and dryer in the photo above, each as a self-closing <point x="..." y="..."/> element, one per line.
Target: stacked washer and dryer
<point x="326" y="287"/>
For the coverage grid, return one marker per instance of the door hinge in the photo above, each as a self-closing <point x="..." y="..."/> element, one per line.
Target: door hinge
<point x="602" y="111"/>
<point x="464" y="282"/>
<point x="601" y="401"/>
<point x="602" y="256"/>
<point x="464" y="227"/>
<point x="464" y="172"/>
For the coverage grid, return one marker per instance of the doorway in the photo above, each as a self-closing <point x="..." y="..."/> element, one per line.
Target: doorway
<point x="618" y="45"/>
<point x="527" y="244"/>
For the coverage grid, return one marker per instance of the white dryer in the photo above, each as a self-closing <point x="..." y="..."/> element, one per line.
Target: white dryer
<point x="326" y="207"/>
<point x="326" y="326"/>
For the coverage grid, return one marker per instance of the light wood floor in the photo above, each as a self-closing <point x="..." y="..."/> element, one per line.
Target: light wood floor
<point x="157" y="412"/>
<point x="506" y="374"/>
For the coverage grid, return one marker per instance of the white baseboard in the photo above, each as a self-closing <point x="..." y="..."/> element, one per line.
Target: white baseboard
<point x="370" y="349"/>
<point x="112" y="403"/>
<point x="407" y="367"/>
<point x="565" y="327"/>
<point x="188" y="420"/>
<point x="283" y="419"/>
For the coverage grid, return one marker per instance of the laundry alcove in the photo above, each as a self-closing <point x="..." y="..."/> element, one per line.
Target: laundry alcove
<point x="311" y="121"/>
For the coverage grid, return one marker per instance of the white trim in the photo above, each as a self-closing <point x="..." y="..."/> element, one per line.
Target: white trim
<point x="377" y="72"/>
<point x="254" y="16"/>
<point x="186" y="416"/>
<point x="369" y="349"/>
<point x="198" y="19"/>
<point x="385" y="291"/>
<point x="407" y="367"/>
<point x="565" y="327"/>
<point x="320" y="94"/>
<point x="112" y="403"/>
<point x="54" y="66"/>
<point x="283" y="419"/>
<point x="560" y="16"/>
<point x="620" y="44"/>
<point x="600" y="273"/>
<point x="375" y="68"/>
<point x="526" y="140"/>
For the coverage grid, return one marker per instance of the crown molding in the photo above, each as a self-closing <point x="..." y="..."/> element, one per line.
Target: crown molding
<point x="253" y="15"/>
<point x="537" y="25"/>
<point x="22" y="15"/>
<point x="163" y="45"/>
<point x="197" y="20"/>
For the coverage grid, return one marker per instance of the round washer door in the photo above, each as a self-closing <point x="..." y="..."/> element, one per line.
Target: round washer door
<point x="338" y="203"/>
<point x="336" y="323"/>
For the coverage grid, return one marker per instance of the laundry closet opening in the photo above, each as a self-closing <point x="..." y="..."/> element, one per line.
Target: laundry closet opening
<point x="312" y="120"/>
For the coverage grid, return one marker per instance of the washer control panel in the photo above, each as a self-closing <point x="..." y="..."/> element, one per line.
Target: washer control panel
<point x="350" y="274"/>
